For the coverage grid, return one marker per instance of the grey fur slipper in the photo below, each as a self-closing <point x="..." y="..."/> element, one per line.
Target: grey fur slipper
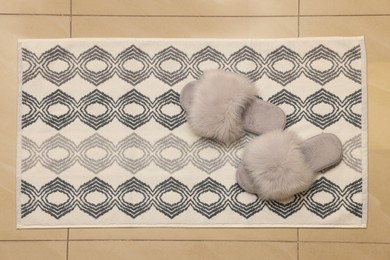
<point x="223" y="105"/>
<point x="277" y="165"/>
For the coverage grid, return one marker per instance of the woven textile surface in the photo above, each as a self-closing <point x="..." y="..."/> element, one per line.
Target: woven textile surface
<point x="103" y="140"/>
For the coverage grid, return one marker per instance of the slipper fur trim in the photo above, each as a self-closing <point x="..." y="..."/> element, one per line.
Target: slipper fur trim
<point x="218" y="105"/>
<point x="276" y="165"/>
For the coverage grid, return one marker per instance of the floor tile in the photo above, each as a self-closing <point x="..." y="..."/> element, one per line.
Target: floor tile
<point x="33" y="250"/>
<point x="179" y="27"/>
<point x="12" y="28"/>
<point x="378" y="229"/>
<point x="345" y="251"/>
<point x="35" y="7"/>
<point x="161" y="250"/>
<point x="186" y="7"/>
<point x="344" y="7"/>
<point x="379" y="105"/>
<point x="253" y="234"/>
<point x="375" y="29"/>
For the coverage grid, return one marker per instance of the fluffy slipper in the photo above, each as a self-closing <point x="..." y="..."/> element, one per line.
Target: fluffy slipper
<point x="223" y="105"/>
<point x="277" y="165"/>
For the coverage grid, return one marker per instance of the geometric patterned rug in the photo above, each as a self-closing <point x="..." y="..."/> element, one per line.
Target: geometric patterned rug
<point x="103" y="140"/>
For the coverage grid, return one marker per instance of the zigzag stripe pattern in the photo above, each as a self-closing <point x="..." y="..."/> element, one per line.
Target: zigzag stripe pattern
<point x="150" y="153"/>
<point x="301" y="109"/>
<point x="123" y="64"/>
<point x="112" y="109"/>
<point x="123" y="197"/>
<point x="124" y="153"/>
<point x="306" y="108"/>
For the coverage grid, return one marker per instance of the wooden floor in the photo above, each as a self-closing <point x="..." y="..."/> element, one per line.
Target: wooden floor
<point x="200" y="18"/>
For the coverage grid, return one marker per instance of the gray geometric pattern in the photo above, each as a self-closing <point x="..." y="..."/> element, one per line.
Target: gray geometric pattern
<point x="113" y="109"/>
<point x="190" y="65"/>
<point x="189" y="198"/>
<point x="116" y="153"/>
<point x="226" y="154"/>
<point x="305" y="108"/>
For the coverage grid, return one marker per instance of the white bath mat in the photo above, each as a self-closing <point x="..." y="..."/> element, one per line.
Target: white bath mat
<point x="103" y="141"/>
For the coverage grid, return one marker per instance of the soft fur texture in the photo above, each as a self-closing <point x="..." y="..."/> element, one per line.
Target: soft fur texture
<point x="277" y="166"/>
<point x="218" y="104"/>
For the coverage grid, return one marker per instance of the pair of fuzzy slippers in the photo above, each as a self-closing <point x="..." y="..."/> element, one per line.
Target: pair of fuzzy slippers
<point x="276" y="164"/>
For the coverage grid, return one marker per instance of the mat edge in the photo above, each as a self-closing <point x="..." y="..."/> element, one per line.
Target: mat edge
<point x="19" y="133"/>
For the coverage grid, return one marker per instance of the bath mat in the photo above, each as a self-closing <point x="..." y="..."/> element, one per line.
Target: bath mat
<point x="104" y="142"/>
